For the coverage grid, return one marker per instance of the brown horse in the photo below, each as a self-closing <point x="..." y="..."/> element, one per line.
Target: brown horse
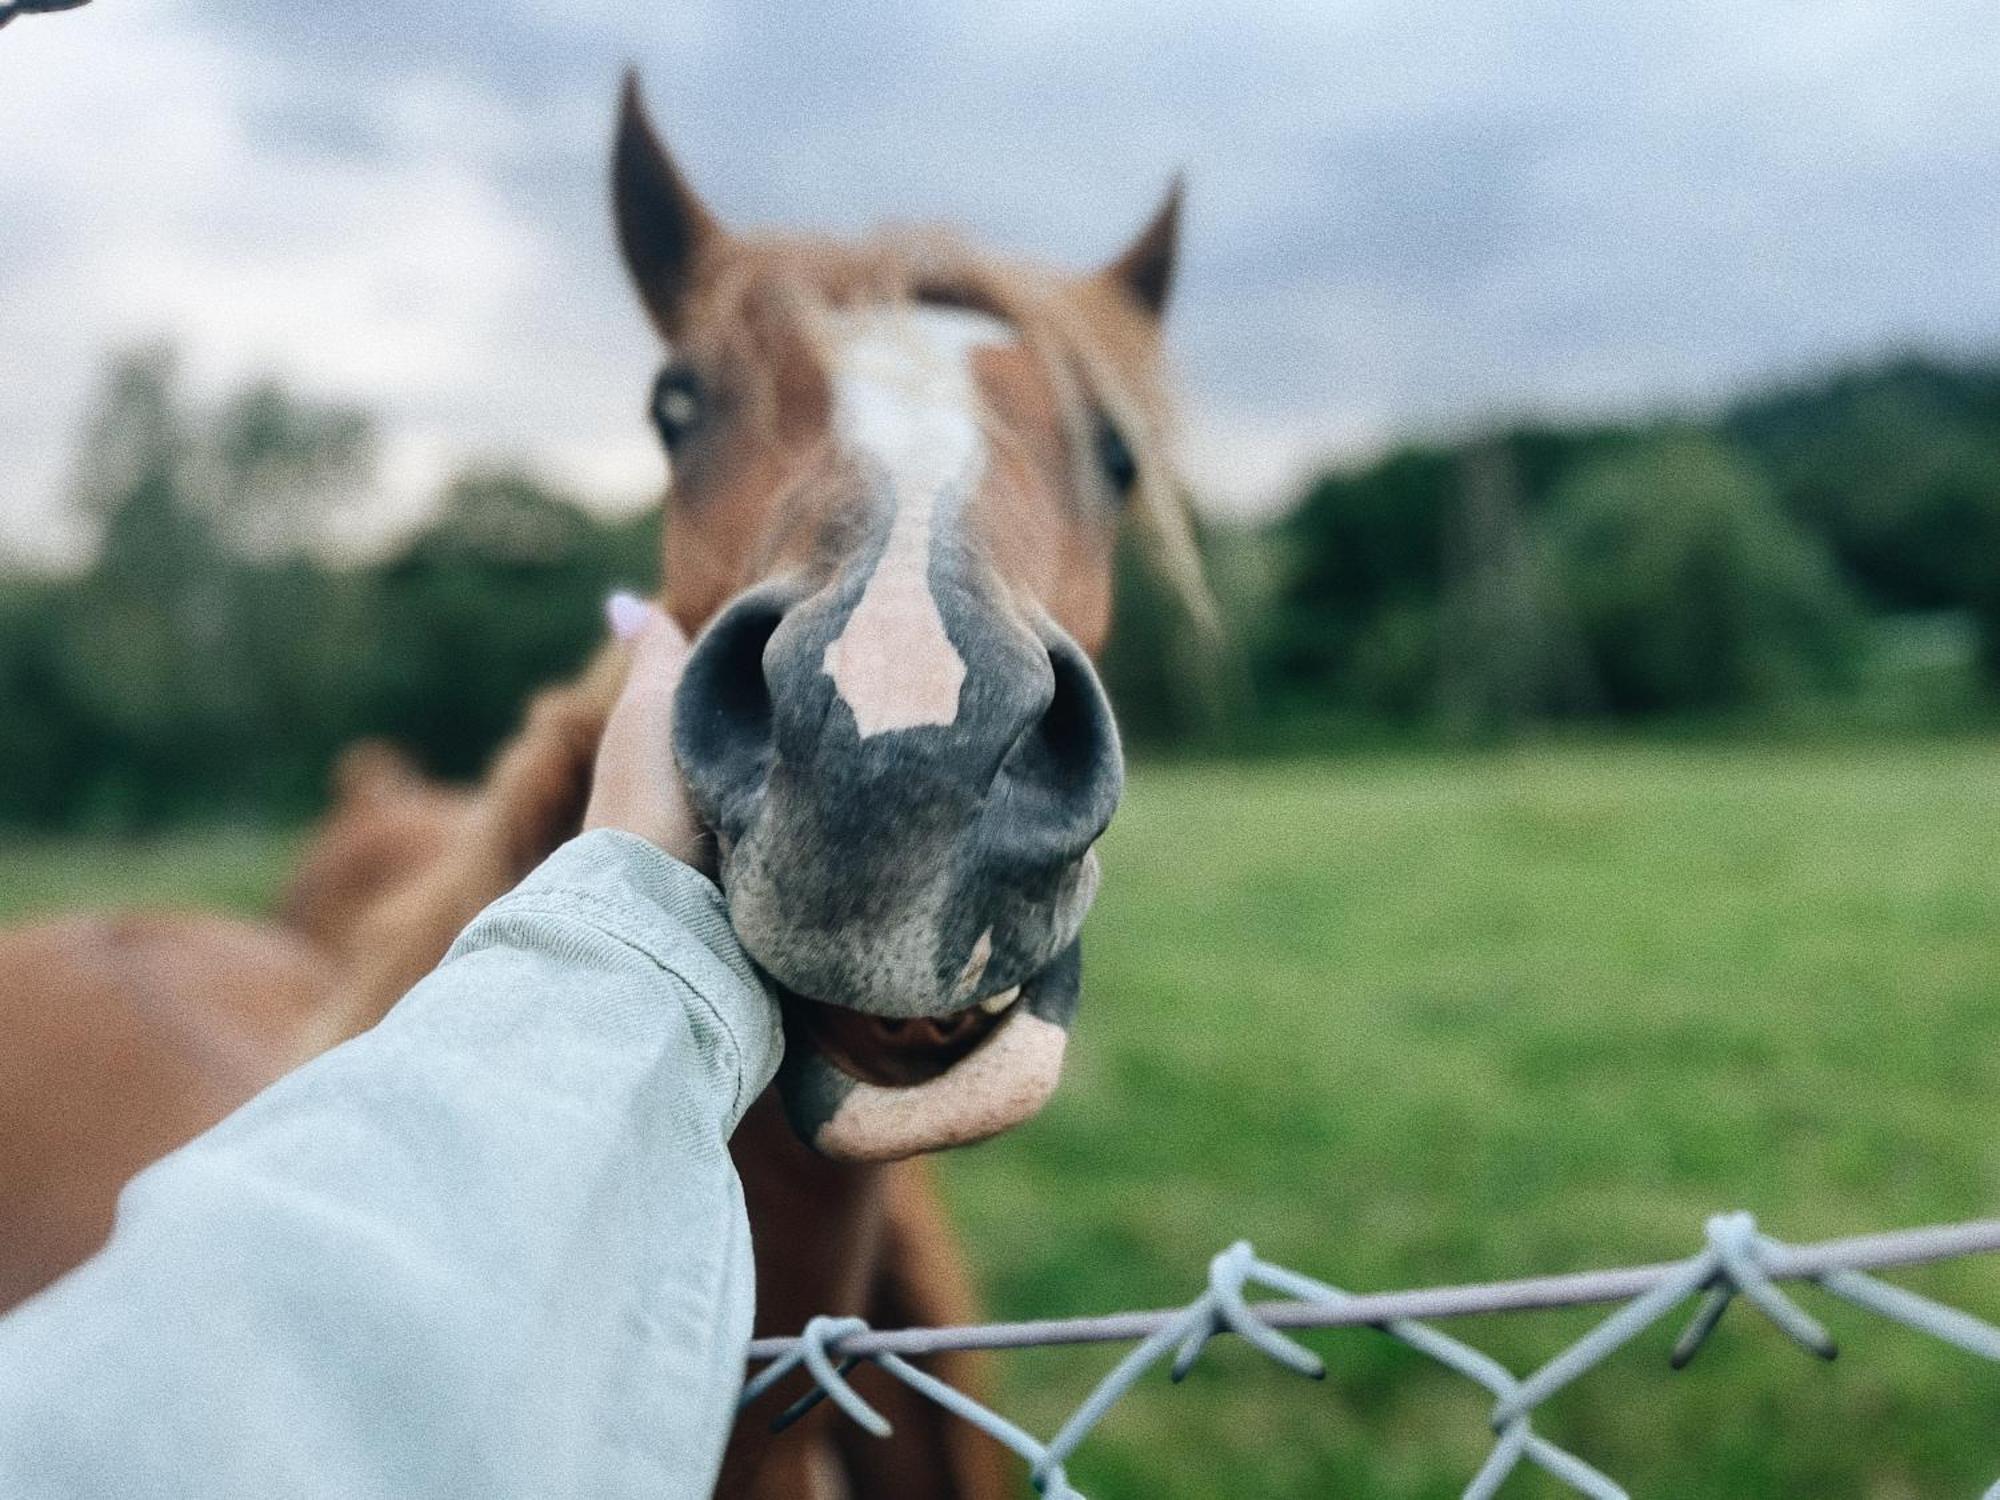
<point x="899" y="469"/>
<point x="388" y="821"/>
<point x="128" y="1034"/>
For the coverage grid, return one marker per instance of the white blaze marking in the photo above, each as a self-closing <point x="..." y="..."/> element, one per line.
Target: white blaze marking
<point x="904" y="402"/>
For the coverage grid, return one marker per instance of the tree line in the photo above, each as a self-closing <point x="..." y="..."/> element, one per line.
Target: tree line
<point x="1789" y="554"/>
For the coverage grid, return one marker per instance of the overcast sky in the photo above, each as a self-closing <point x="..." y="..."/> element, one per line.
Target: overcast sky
<point x="1405" y="216"/>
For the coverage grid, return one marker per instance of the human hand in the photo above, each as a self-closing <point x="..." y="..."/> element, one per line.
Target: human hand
<point x="638" y="785"/>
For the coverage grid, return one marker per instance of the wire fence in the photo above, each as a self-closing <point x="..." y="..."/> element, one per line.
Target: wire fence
<point x="1735" y="1259"/>
<point x="9" y="9"/>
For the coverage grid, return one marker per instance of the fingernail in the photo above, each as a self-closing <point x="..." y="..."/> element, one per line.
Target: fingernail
<point x="626" y="614"/>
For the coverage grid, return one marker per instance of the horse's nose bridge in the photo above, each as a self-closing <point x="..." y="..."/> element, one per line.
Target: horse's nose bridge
<point x="872" y="684"/>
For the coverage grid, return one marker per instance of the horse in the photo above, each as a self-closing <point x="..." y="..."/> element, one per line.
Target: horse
<point x="386" y="820"/>
<point x="127" y="1034"/>
<point x="898" y="470"/>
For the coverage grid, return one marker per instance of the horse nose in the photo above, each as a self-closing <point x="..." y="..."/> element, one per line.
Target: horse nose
<point x="1030" y="753"/>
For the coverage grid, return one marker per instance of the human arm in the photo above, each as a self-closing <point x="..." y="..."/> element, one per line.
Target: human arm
<point x="493" y="1247"/>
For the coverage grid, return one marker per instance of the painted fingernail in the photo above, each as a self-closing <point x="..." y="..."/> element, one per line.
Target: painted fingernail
<point x="626" y="614"/>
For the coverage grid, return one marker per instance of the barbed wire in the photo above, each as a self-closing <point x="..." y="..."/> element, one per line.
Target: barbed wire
<point x="1735" y="1260"/>
<point x="9" y="9"/>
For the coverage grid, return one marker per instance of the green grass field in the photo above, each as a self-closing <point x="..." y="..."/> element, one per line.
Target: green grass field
<point x="1408" y="1021"/>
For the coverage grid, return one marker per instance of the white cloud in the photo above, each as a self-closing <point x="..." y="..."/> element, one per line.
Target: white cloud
<point x="1403" y="215"/>
<point x="408" y="281"/>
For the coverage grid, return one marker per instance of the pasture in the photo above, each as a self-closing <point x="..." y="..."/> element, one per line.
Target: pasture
<point x="1407" y="1020"/>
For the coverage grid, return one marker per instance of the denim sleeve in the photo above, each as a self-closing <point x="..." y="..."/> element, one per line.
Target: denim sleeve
<point x="494" y="1247"/>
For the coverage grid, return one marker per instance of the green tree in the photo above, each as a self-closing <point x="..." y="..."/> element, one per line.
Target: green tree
<point x="1397" y="593"/>
<point x="1898" y="468"/>
<point x="279" y="465"/>
<point x="501" y="593"/>
<point x="142" y="645"/>
<point x="1353" y="615"/>
<point x="194" y="666"/>
<point x="1690" y="588"/>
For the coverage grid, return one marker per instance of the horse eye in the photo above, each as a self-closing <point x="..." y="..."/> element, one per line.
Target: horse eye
<point x="676" y="404"/>
<point x="1114" y="457"/>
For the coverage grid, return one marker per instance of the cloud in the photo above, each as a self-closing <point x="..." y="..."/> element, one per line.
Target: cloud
<point x="385" y="262"/>
<point x="1404" y="216"/>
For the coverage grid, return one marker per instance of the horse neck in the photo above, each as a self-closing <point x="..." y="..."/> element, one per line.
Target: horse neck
<point x="795" y="1197"/>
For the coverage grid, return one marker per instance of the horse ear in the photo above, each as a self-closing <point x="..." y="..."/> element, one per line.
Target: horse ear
<point x="662" y="225"/>
<point x="1145" y="268"/>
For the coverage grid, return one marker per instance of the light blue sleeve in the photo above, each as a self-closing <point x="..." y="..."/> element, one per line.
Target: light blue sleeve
<point x="495" y="1247"/>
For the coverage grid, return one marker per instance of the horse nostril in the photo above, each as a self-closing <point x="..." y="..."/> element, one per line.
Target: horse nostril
<point x="1073" y="727"/>
<point x="1063" y="777"/>
<point x="723" y="734"/>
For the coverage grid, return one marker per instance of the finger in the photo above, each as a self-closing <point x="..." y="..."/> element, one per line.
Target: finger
<point x="627" y="615"/>
<point x="659" y="658"/>
<point x="636" y="620"/>
<point x="659" y="649"/>
<point x="637" y="786"/>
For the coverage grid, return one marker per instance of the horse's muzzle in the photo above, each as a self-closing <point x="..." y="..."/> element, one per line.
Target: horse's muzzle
<point x="915" y="894"/>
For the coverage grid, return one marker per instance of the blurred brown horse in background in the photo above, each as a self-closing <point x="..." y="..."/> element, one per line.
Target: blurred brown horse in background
<point x="899" y="471"/>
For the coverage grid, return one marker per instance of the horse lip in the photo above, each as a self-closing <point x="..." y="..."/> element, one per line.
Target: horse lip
<point x="1001" y="1077"/>
<point x="894" y="1052"/>
<point x="1002" y="1082"/>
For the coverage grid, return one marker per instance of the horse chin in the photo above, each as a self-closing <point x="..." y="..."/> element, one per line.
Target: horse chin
<point x="869" y="1089"/>
<point x="889" y="1053"/>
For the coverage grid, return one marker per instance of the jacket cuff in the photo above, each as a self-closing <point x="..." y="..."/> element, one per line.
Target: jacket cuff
<point x="629" y="888"/>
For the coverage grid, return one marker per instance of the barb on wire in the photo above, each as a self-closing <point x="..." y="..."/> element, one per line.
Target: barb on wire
<point x="1735" y="1260"/>
<point x="9" y="9"/>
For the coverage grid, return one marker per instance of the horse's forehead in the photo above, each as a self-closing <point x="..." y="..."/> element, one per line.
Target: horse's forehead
<point x="920" y="352"/>
<point x="905" y="395"/>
